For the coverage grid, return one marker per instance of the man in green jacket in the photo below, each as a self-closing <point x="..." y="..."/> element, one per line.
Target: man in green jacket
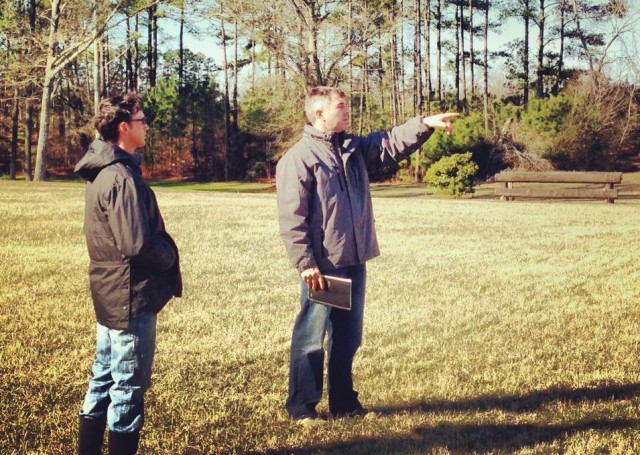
<point x="326" y="223"/>
<point x="134" y="271"/>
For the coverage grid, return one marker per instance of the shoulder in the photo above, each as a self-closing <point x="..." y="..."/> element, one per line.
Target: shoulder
<point x="117" y="176"/>
<point x="300" y="154"/>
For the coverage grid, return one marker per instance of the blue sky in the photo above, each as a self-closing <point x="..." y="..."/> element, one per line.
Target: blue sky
<point x="510" y="30"/>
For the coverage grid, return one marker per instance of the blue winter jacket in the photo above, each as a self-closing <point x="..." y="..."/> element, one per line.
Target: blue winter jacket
<point x="324" y="202"/>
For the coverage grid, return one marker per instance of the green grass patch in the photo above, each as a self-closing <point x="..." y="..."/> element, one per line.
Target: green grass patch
<point x="228" y="187"/>
<point x="490" y="328"/>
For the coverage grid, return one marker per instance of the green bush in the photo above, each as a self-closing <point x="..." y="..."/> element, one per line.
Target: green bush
<point x="468" y="136"/>
<point x="453" y="175"/>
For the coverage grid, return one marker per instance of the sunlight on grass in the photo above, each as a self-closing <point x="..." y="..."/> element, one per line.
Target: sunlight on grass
<point x="490" y="327"/>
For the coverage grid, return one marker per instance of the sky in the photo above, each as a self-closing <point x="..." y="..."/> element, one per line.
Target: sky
<point x="500" y="39"/>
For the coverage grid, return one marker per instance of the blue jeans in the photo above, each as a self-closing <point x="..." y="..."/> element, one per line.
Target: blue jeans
<point x="307" y="354"/>
<point x="121" y="374"/>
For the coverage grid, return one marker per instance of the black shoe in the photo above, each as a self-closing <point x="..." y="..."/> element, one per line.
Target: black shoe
<point x="357" y="412"/>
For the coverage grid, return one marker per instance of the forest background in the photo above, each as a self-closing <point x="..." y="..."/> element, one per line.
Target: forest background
<point x="560" y="91"/>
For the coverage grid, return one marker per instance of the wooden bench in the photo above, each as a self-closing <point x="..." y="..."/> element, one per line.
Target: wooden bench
<point x="507" y="192"/>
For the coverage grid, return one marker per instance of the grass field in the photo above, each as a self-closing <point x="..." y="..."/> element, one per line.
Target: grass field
<point x="490" y="327"/>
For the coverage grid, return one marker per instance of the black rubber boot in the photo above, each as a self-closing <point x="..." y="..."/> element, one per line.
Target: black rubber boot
<point x="123" y="443"/>
<point x="91" y="435"/>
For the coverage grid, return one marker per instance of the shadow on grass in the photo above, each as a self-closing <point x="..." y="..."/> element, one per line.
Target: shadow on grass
<point x="482" y="437"/>
<point x="525" y="403"/>
<point x="464" y="438"/>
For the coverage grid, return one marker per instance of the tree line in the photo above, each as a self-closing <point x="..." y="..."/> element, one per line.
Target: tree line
<point x="562" y="92"/>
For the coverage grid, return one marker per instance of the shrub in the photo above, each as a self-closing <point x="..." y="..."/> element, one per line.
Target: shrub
<point x="453" y="175"/>
<point x="468" y="136"/>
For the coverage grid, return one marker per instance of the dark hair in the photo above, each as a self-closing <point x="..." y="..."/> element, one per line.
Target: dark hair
<point x="114" y="110"/>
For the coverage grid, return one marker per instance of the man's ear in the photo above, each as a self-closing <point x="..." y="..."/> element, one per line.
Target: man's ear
<point x="319" y="114"/>
<point x="123" y="128"/>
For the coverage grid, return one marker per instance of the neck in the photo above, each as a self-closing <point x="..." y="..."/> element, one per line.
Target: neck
<point x="320" y="127"/>
<point x="125" y="146"/>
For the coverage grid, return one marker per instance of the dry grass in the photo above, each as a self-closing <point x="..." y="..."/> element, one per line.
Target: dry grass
<point x="490" y="327"/>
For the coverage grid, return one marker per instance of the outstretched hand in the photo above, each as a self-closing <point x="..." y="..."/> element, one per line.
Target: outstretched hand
<point x="441" y="121"/>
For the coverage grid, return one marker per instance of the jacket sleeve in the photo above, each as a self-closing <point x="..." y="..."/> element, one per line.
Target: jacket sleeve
<point x="130" y="226"/>
<point x="293" y="190"/>
<point x="386" y="148"/>
<point x="158" y="253"/>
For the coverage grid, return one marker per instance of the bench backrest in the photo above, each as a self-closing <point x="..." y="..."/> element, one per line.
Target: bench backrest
<point x="559" y="177"/>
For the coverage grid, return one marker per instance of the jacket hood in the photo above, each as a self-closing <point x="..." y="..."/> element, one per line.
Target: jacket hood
<point x="100" y="155"/>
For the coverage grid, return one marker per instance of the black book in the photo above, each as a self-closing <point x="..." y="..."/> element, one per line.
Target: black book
<point x="336" y="292"/>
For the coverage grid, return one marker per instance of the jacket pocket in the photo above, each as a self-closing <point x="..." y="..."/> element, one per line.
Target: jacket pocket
<point x="111" y="291"/>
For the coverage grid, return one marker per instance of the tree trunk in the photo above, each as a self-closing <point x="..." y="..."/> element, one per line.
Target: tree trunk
<point x="226" y="94"/>
<point x="417" y="73"/>
<point x="253" y="56"/>
<point x="439" y="49"/>
<point x="136" y="57"/>
<point x="152" y="40"/>
<point x="363" y="92"/>
<point x="96" y="67"/>
<point x="47" y="90"/>
<point x="401" y="66"/>
<point x="525" y="56"/>
<point x="313" y="50"/>
<point x="457" y="58"/>
<point x="97" y="70"/>
<point x="350" y="53"/>
<point x="28" y="123"/>
<point x="556" y="85"/>
<point x="129" y="56"/>
<point x="234" y="110"/>
<point x="67" y="113"/>
<point x="395" y="96"/>
<point x="181" y="44"/>
<point x="154" y="53"/>
<point x="472" y="56"/>
<point x="28" y="112"/>
<point x="104" y="65"/>
<point x="463" y="60"/>
<point x="43" y="132"/>
<point x="15" y="118"/>
<point x="417" y="59"/>
<point x="310" y="18"/>
<point x="486" y="69"/>
<point x="381" y="70"/>
<point x="540" y="69"/>
<point x="427" y="53"/>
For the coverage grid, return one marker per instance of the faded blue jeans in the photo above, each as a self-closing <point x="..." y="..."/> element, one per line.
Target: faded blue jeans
<point x="344" y="329"/>
<point x="121" y="374"/>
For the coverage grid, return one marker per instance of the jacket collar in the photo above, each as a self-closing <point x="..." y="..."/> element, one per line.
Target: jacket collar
<point x="318" y="135"/>
<point x="328" y="137"/>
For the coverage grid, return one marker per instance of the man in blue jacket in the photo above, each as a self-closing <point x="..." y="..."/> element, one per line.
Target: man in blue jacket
<point x="133" y="272"/>
<point x="326" y="222"/>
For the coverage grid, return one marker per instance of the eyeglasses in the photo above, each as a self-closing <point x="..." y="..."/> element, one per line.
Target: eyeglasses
<point x="143" y="120"/>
